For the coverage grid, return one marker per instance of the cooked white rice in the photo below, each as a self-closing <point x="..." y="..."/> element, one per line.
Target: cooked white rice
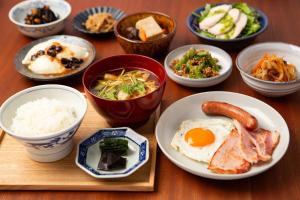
<point x="42" y="117"/>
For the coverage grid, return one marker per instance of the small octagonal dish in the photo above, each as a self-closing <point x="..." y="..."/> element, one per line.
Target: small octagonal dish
<point x="89" y="153"/>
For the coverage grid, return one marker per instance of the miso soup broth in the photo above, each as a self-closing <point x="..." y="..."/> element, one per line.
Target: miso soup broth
<point x="124" y="84"/>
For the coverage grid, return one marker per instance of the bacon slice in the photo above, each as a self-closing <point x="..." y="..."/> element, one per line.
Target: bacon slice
<point x="247" y="143"/>
<point x="265" y="142"/>
<point x="228" y="159"/>
<point x="242" y="148"/>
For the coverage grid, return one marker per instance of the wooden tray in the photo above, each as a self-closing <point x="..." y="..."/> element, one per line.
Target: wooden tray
<point x="19" y="172"/>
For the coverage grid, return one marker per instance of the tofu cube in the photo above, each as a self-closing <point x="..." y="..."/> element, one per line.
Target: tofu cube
<point x="148" y="28"/>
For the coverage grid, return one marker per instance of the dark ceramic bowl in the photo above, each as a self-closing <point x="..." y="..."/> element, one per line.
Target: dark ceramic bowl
<point x="226" y="44"/>
<point x="133" y="112"/>
<point x="81" y="17"/>
<point x="152" y="48"/>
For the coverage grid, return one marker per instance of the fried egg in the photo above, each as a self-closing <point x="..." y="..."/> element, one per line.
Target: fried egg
<point x="45" y="64"/>
<point x="199" y="139"/>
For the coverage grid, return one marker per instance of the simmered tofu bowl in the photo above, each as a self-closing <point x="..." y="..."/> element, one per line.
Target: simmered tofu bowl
<point x="146" y="33"/>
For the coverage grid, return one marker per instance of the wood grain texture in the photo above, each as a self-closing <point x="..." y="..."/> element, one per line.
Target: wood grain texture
<point x="19" y="172"/>
<point x="280" y="182"/>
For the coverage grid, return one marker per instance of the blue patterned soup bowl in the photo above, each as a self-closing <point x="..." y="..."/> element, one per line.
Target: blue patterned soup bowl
<point x="53" y="145"/>
<point x="89" y="153"/>
<point x="61" y="9"/>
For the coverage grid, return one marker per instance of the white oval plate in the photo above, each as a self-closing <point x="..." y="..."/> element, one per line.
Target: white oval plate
<point x="224" y="60"/>
<point x="190" y="108"/>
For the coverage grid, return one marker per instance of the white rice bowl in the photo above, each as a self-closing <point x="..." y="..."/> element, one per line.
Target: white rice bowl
<point x="46" y="133"/>
<point x="43" y="117"/>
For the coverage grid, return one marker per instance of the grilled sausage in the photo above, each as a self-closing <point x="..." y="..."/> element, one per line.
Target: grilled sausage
<point x="234" y="112"/>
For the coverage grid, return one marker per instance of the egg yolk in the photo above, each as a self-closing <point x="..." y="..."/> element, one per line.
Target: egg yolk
<point x="199" y="137"/>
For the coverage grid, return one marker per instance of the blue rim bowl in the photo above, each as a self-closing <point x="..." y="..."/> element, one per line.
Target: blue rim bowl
<point x="81" y="17"/>
<point x="227" y="44"/>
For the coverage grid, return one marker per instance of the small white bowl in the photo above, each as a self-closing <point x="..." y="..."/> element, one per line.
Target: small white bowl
<point x="224" y="60"/>
<point x="250" y="56"/>
<point x="20" y="10"/>
<point x="88" y="152"/>
<point x="51" y="147"/>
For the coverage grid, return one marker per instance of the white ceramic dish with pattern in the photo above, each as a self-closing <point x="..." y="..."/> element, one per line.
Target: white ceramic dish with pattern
<point x="61" y="8"/>
<point x="224" y="60"/>
<point x="51" y="147"/>
<point x="190" y="108"/>
<point x="88" y="152"/>
<point x="250" y="56"/>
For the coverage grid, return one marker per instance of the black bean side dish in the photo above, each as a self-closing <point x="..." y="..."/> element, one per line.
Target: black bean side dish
<point x="40" y="16"/>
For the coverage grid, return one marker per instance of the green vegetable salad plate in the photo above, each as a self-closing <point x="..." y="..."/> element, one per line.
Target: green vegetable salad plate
<point x="227" y="25"/>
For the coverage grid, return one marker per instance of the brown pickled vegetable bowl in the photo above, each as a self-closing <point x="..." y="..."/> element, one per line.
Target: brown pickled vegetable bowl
<point x="153" y="47"/>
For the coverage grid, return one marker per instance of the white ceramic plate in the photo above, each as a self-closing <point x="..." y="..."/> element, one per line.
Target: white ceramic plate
<point x="190" y="108"/>
<point x="224" y="60"/>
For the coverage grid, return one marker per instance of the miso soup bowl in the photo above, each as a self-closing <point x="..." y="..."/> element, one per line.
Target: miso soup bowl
<point x="50" y="147"/>
<point x="132" y="112"/>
